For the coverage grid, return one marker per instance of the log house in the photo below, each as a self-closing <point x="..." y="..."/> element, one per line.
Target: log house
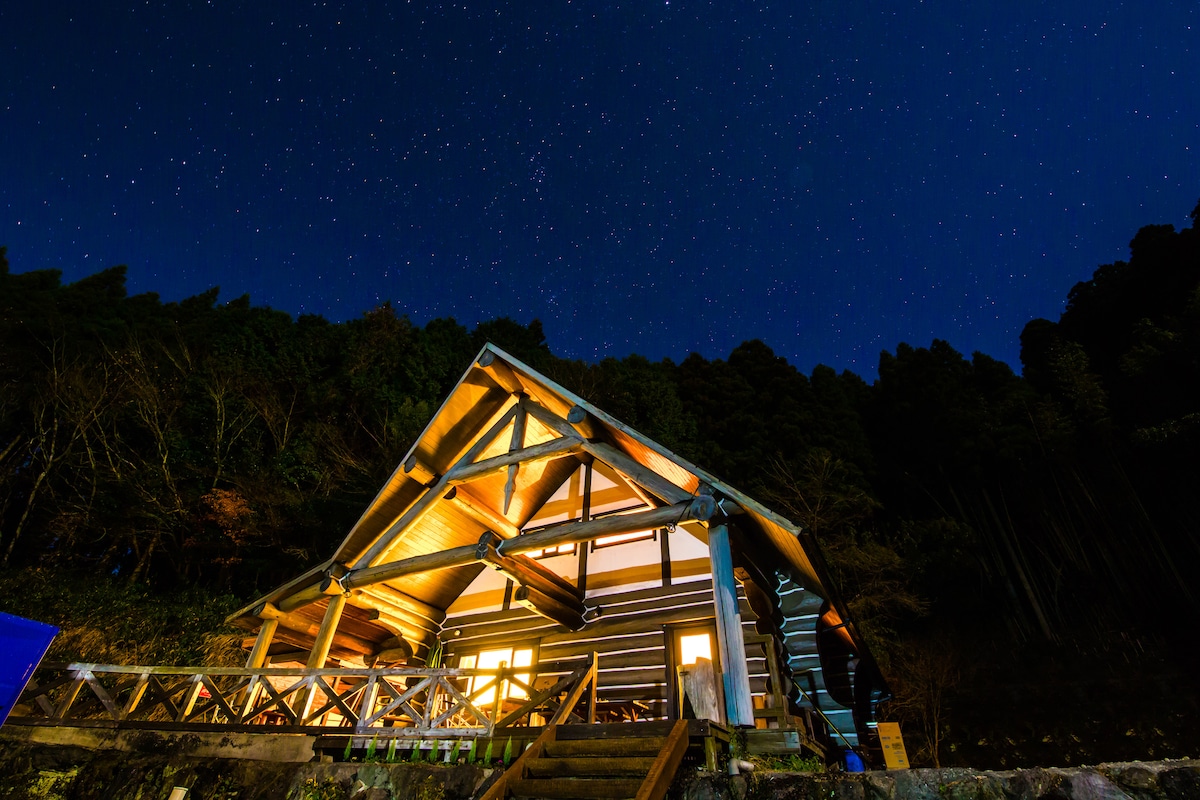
<point x="527" y="526"/>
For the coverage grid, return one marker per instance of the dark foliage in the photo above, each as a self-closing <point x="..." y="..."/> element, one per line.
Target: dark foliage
<point x="1016" y="549"/>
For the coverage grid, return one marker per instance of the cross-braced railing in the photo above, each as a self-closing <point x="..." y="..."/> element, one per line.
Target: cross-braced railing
<point x="405" y="701"/>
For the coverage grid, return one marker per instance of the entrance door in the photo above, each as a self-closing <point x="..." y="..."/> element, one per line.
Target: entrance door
<point x="697" y="673"/>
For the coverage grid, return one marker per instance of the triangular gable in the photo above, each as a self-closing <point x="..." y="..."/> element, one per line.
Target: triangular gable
<point x="504" y="442"/>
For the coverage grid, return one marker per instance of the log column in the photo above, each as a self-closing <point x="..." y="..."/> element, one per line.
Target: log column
<point x="258" y="656"/>
<point x="320" y="649"/>
<point x="324" y="640"/>
<point x="739" y="709"/>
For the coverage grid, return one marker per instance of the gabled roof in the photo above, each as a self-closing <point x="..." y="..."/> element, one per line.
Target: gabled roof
<point x="459" y="481"/>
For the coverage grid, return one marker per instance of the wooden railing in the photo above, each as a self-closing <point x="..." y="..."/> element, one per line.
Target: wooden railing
<point x="406" y="701"/>
<point x="586" y="683"/>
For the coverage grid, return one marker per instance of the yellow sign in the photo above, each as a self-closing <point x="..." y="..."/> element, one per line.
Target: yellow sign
<point x="894" y="755"/>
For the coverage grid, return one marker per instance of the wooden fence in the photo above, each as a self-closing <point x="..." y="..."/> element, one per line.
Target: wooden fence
<point x="401" y="702"/>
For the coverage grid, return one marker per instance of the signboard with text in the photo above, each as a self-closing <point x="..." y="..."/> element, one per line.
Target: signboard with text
<point x="894" y="755"/>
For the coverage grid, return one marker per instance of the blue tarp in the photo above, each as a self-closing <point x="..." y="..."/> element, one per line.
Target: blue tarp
<point x="23" y="642"/>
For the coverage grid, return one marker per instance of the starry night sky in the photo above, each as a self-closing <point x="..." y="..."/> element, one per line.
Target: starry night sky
<point x="653" y="177"/>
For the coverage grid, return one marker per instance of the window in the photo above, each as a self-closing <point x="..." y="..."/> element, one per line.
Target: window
<point x="693" y="646"/>
<point x="491" y="659"/>
<point x="690" y="642"/>
<point x="623" y="538"/>
<point x="546" y="552"/>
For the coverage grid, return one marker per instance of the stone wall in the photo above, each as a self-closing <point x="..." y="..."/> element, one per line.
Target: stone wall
<point x="1162" y="780"/>
<point x="41" y="764"/>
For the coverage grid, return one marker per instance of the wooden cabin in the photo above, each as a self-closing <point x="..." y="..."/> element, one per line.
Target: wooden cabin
<point x="528" y="527"/>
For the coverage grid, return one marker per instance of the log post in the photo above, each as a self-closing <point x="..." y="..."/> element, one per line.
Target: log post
<point x="320" y="650"/>
<point x="739" y="709"/>
<point x="258" y="656"/>
<point x="585" y="514"/>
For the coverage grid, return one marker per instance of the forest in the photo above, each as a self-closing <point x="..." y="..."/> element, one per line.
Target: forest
<point x="1017" y="549"/>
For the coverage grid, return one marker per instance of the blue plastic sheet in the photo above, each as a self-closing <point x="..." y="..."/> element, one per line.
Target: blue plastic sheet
<point x="23" y="642"/>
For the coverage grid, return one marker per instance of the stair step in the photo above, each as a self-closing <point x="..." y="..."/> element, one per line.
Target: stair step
<point x="576" y="788"/>
<point x="606" y="748"/>
<point x="580" y="767"/>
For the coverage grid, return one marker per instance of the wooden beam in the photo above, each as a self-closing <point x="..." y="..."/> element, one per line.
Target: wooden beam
<point x="700" y="508"/>
<point x="555" y="448"/>
<point x="476" y="508"/>
<point x="500" y="372"/>
<point x="585" y="515"/>
<point x="558" y="422"/>
<point x="408" y="604"/>
<point x="299" y="624"/>
<point x="549" y="607"/>
<point x="392" y="618"/>
<point x="445" y="559"/>
<point x="422" y="504"/>
<point x="303" y="644"/>
<point x="518" y="443"/>
<point x="633" y="471"/>
<point x="739" y="709"/>
<point x="419" y="472"/>
<point x="666" y="764"/>
<point x="309" y="594"/>
<point x="525" y="571"/>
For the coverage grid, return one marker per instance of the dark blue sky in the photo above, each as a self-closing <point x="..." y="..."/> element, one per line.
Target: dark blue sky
<point x="651" y="177"/>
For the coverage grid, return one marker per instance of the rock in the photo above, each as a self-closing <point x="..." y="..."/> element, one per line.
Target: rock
<point x="1180" y="782"/>
<point x="1086" y="784"/>
<point x="880" y="785"/>
<point x="1138" y="780"/>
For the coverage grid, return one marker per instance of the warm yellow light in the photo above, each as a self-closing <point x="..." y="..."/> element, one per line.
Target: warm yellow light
<point x="618" y="538"/>
<point x="693" y="646"/>
<point x="492" y="659"/>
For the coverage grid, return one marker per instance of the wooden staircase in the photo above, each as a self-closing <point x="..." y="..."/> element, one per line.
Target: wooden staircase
<point x="566" y="763"/>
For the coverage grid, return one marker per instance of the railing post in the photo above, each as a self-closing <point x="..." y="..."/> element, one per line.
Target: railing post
<point x="189" y="698"/>
<point x="367" y="705"/>
<point x="497" y="699"/>
<point x="592" y="670"/>
<point x="135" y="697"/>
<point x="68" y="698"/>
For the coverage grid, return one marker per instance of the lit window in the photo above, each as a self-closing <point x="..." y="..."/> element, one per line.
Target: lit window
<point x="622" y="538"/>
<point x="693" y="646"/>
<point x="491" y="659"/>
<point x="560" y="550"/>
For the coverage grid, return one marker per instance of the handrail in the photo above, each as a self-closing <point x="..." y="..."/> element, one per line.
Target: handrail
<point x="665" y="765"/>
<point x="587" y="680"/>
<point x="399" y="701"/>
<point x="812" y="701"/>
